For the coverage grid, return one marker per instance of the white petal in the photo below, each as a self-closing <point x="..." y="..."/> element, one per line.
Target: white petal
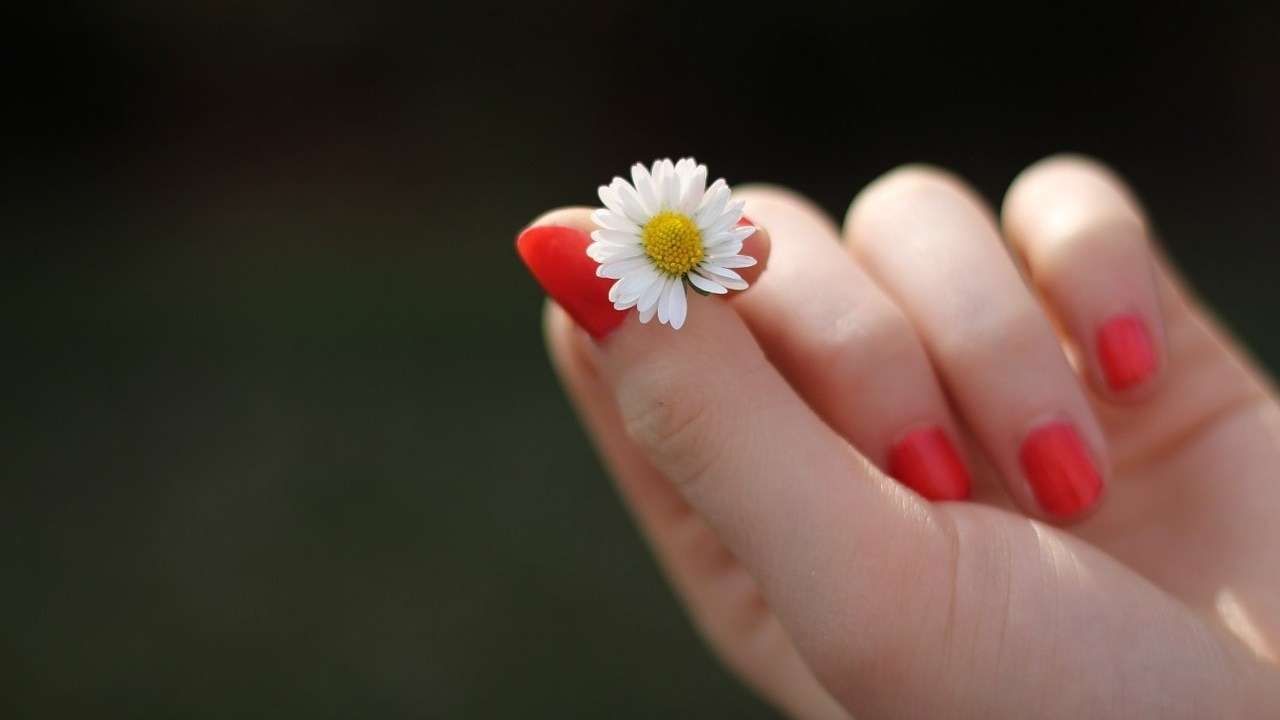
<point x="649" y="300"/>
<point x="655" y="175"/>
<point x="615" y="237"/>
<point x="662" y="300"/>
<point x="644" y="188"/>
<point x="601" y="252"/>
<point x="718" y="228"/>
<point x="717" y="271"/>
<point x="629" y="289"/>
<point x="631" y="206"/>
<point x="710" y="238"/>
<point x="706" y="285"/>
<point x="604" y="252"/>
<point x="694" y="186"/>
<point x="679" y="305"/>
<point x="609" y="221"/>
<point x="639" y="281"/>
<point x="724" y="248"/>
<point x="727" y="221"/>
<point x="610" y="199"/>
<point x="684" y="170"/>
<point x="742" y="232"/>
<point x="607" y="253"/>
<point x="712" y="190"/>
<point x="732" y="261"/>
<point x="646" y="314"/>
<point x="730" y="235"/>
<point x="724" y="276"/>
<point x="617" y="269"/>
<point x="671" y="189"/>
<point x="713" y="204"/>
<point x="665" y="183"/>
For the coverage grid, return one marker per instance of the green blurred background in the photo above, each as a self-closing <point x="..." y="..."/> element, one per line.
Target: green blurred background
<point x="280" y="436"/>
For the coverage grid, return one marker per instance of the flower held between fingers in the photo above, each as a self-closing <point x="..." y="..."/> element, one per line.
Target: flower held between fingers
<point x="664" y="230"/>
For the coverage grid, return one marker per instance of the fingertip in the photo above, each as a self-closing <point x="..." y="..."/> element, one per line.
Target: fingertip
<point x="1076" y="173"/>
<point x="1064" y="477"/>
<point x="911" y="184"/>
<point x="1087" y="248"/>
<point x="556" y="256"/>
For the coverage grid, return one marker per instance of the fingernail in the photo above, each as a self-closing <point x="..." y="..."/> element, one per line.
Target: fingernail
<point x="557" y="258"/>
<point x="1060" y="470"/>
<point x="926" y="461"/>
<point x="1126" y="352"/>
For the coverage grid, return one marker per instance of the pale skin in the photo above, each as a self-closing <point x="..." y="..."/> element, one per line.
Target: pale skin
<point x="750" y="447"/>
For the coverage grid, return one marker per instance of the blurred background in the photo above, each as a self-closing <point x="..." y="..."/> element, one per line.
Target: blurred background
<point x="279" y="434"/>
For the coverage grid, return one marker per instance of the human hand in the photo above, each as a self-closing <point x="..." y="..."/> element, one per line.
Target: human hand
<point x="752" y="447"/>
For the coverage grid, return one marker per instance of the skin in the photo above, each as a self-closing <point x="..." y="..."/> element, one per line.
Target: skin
<point x="750" y="444"/>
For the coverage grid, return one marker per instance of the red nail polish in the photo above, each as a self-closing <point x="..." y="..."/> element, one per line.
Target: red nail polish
<point x="1060" y="470"/>
<point x="1126" y="352"/>
<point x="926" y="461"/>
<point x="557" y="258"/>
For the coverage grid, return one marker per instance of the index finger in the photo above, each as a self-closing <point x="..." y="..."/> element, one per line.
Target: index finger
<point x="830" y="539"/>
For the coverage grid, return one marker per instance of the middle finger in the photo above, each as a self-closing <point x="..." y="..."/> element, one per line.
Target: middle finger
<point x="934" y="247"/>
<point x="849" y="350"/>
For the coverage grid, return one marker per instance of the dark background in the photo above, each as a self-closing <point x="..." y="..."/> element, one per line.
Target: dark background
<point x="279" y="436"/>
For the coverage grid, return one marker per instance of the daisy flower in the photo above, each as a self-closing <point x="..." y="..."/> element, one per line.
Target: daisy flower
<point x="664" y="230"/>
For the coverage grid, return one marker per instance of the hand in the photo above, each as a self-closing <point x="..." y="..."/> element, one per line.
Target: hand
<point x="753" y="445"/>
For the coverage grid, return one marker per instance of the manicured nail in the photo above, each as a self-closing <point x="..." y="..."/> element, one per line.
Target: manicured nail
<point x="1060" y="470"/>
<point x="1126" y="352"/>
<point x="926" y="461"/>
<point x="557" y="258"/>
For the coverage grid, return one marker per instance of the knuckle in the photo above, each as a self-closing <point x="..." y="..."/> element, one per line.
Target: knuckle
<point x="860" y="347"/>
<point x="673" y="420"/>
<point x="975" y="341"/>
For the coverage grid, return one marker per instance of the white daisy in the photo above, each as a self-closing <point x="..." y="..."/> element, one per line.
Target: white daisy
<point x="668" y="230"/>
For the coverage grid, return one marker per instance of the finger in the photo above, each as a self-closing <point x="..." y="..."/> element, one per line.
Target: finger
<point x="932" y="245"/>
<point x="829" y="539"/>
<point x="554" y="248"/>
<point x="1086" y="247"/>
<point x="849" y="350"/>
<point x="721" y="596"/>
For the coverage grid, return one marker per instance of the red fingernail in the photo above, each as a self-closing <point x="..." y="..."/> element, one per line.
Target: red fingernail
<point x="926" y="461"/>
<point x="1126" y="352"/>
<point x="557" y="258"/>
<point x="1060" y="470"/>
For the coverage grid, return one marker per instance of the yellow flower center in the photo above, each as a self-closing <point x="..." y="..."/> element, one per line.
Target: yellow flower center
<point x="673" y="242"/>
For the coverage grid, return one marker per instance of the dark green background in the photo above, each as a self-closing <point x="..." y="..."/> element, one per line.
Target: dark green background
<point x="280" y="438"/>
